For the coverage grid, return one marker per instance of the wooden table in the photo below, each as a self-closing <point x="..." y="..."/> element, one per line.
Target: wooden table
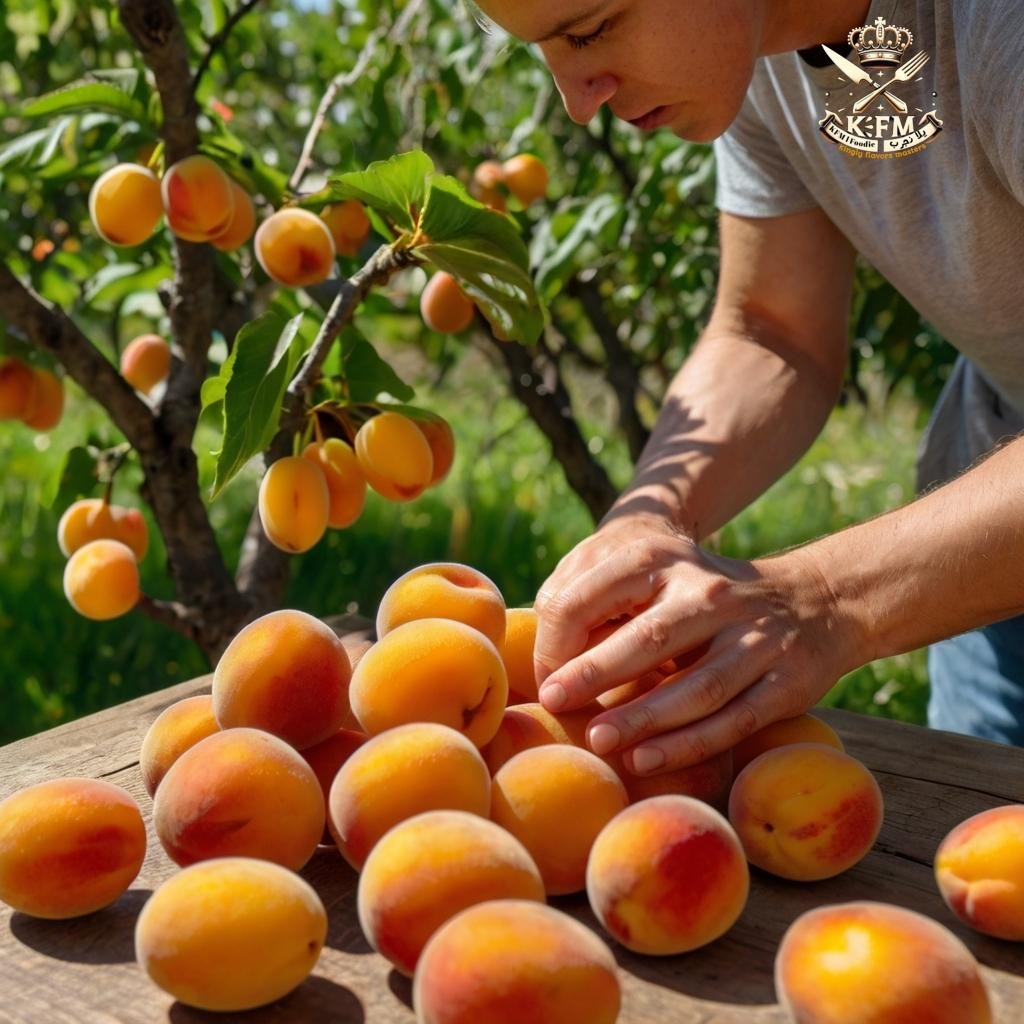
<point x="84" y="972"/>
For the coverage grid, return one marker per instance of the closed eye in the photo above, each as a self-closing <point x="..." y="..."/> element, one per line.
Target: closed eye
<point x="579" y="42"/>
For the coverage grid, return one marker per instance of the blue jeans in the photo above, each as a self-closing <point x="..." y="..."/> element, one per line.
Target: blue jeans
<point x="977" y="683"/>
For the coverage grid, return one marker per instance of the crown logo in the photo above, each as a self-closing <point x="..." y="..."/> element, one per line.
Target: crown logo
<point x="880" y="45"/>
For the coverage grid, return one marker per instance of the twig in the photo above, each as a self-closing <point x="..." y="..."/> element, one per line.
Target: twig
<point x="215" y="42"/>
<point x="170" y="613"/>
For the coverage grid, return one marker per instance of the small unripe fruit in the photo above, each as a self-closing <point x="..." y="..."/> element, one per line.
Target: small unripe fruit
<point x="294" y="504"/>
<point x="295" y="248"/>
<point x="101" y="580"/>
<point x="125" y="205"/>
<point x="526" y="178"/>
<point x="145" y="362"/>
<point x="444" y="305"/>
<point x="197" y="198"/>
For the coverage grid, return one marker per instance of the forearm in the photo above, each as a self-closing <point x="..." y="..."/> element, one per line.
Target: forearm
<point x="740" y="412"/>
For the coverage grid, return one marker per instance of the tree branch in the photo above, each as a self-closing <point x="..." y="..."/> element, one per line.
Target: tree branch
<point x="171" y="613"/>
<point x="215" y="42"/>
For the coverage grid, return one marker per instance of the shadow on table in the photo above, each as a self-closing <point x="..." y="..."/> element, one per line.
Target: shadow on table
<point x="315" y="999"/>
<point x="106" y="937"/>
<point x="401" y="986"/>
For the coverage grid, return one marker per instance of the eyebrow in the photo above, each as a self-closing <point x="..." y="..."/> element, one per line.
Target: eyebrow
<point x="576" y="19"/>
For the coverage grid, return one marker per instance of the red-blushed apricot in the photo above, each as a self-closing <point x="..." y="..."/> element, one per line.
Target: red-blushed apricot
<point x="395" y="456"/>
<point x="346" y="483"/>
<point x="231" y="934"/>
<point x="294" y="503"/>
<point x="95" y="519"/>
<point x="555" y="799"/>
<point x="444" y="590"/>
<point x="517" y="653"/>
<point x="442" y="445"/>
<point x="101" y="580"/>
<point x="47" y="405"/>
<point x="802" y="729"/>
<point x="197" y="199"/>
<point x="240" y="792"/>
<point x="174" y="730"/>
<point x="871" y="963"/>
<point x="68" y="847"/>
<point x="805" y="811"/>
<point x="667" y="875"/>
<point x="512" y="961"/>
<point x="445" y="307"/>
<point x="146" y="362"/>
<point x="428" y="868"/>
<point x="125" y="204"/>
<point x="287" y="673"/>
<point x="242" y="223"/>
<point x="295" y="248"/>
<point x="525" y="726"/>
<point x="488" y="174"/>
<point x="526" y="178"/>
<point x="401" y="773"/>
<point x="326" y="759"/>
<point x="708" y="780"/>
<point x="431" y="670"/>
<point x="17" y="388"/>
<point x="979" y="867"/>
<point x="349" y="225"/>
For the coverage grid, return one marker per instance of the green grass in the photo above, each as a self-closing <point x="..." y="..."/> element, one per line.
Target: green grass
<point x="505" y="509"/>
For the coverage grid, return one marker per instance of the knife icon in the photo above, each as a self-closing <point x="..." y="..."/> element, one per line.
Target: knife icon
<point x="858" y="75"/>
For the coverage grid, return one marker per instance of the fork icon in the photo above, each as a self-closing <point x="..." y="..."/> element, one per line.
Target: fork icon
<point x="905" y="74"/>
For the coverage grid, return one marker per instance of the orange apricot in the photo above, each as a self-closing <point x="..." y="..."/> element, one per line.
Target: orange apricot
<point x="488" y="174"/>
<point x="17" y="388"/>
<point x="802" y="729"/>
<point x="197" y="199"/>
<point x="295" y="248"/>
<point x="708" y="780"/>
<point x="242" y="224"/>
<point x="439" y="436"/>
<point x="395" y="456"/>
<point x="94" y="519"/>
<point x="526" y="178"/>
<point x="516" y="650"/>
<point x="125" y="204"/>
<point x="294" y="503"/>
<point x="326" y="759"/>
<point x="180" y="726"/>
<point x="445" y="307"/>
<point x="146" y="362"/>
<point x="349" y="225"/>
<point x="101" y="580"/>
<point x="346" y="483"/>
<point x="47" y="404"/>
<point x="525" y="726"/>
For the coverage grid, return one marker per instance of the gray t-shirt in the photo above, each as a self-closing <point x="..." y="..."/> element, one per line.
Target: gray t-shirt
<point x="945" y="224"/>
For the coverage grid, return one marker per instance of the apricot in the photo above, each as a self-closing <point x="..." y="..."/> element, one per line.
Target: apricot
<point x="17" y="388"/>
<point x="979" y="867"/>
<point x="295" y="248"/>
<point x="428" y="868"/>
<point x="125" y="204"/>
<point x="197" y="198"/>
<point x="346" y="484"/>
<point x="439" y="436"/>
<point x="445" y="590"/>
<point x="94" y="519"/>
<point x="517" y="653"/>
<point x="802" y="729"/>
<point x="326" y="759"/>
<point x="146" y="362"/>
<point x="180" y="726"/>
<point x="555" y="799"/>
<point x="349" y="225"/>
<point x="294" y="503"/>
<point x="286" y="673"/>
<point x="494" y="960"/>
<point x="445" y="307"/>
<point x="101" y="580"/>
<point x="525" y="726"/>
<point x="68" y="847"/>
<point x="708" y="780"/>
<point x="231" y="934"/>
<point x="431" y="670"/>
<point x="47" y="405"/>
<point x="240" y="792"/>
<point x="805" y="811"/>
<point x="401" y="773"/>
<point x="526" y="178"/>
<point x="242" y="224"/>
<point x="488" y="174"/>
<point x="395" y="456"/>
<point x="667" y="875"/>
<point x="871" y="963"/>
<point x="491" y="198"/>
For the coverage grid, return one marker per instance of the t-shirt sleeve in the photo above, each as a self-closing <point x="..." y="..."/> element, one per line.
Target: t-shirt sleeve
<point x="754" y="177"/>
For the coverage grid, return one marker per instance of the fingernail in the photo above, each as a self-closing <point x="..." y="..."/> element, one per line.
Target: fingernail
<point x="553" y="697"/>
<point x="646" y="759"/>
<point x="604" y="737"/>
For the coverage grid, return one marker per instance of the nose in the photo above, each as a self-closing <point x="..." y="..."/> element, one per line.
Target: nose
<point x="584" y="97"/>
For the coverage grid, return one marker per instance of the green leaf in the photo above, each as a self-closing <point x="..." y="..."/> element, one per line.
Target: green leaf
<point x="115" y="282"/>
<point x="35" y="149"/>
<point x="110" y="92"/>
<point x="73" y="476"/>
<point x="252" y="385"/>
<point x="366" y="375"/>
<point x="562" y="261"/>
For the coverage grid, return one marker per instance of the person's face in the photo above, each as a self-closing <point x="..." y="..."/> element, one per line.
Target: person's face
<point x="680" y="64"/>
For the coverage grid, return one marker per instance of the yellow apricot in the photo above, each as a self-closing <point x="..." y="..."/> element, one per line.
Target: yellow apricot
<point x="125" y="205"/>
<point x="349" y="226"/>
<point x="145" y="362"/>
<point x="444" y="305"/>
<point x="48" y="402"/>
<point x="395" y="456"/>
<point x="197" y="198"/>
<point x="295" y="247"/>
<point x="517" y="653"/>
<point x="175" y="730"/>
<point x="94" y="519"/>
<point x="526" y="178"/>
<point x="242" y="223"/>
<point x="294" y="503"/>
<point x="17" y="389"/>
<point x="346" y="483"/>
<point x="101" y="580"/>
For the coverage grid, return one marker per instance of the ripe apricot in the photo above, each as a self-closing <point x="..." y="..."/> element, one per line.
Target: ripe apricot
<point x="17" y="388"/>
<point x="708" y="780"/>
<point x="395" y="456"/>
<point x="431" y="670"/>
<point x="180" y="726"/>
<point x="47" y="405"/>
<point x="94" y="519"/>
<point x="493" y="960"/>
<point x="101" y="580"/>
<point x="197" y="199"/>
<point x="491" y="198"/>
<point x="346" y="483"/>
<point x="439" y="436"/>
<point x="398" y="774"/>
<point x="231" y="934"/>
<point x="326" y="759"/>
<point x="517" y="653"/>
<point x="68" y="847"/>
<point x="667" y="875"/>
<point x="239" y="792"/>
<point x="445" y="590"/>
<point x="125" y="205"/>
<point x="146" y="362"/>
<point x="444" y="306"/>
<point x="428" y="868"/>
<point x="524" y="726"/>
<point x="349" y="225"/>
<point x="295" y="247"/>
<point x="488" y="174"/>
<point x="286" y="673"/>
<point x="294" y="503"/>
<point x="242" y="224"/>
<point x="870" y="963"/>
<point x="526" y="178"/>
<point x="802" y="729"/>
